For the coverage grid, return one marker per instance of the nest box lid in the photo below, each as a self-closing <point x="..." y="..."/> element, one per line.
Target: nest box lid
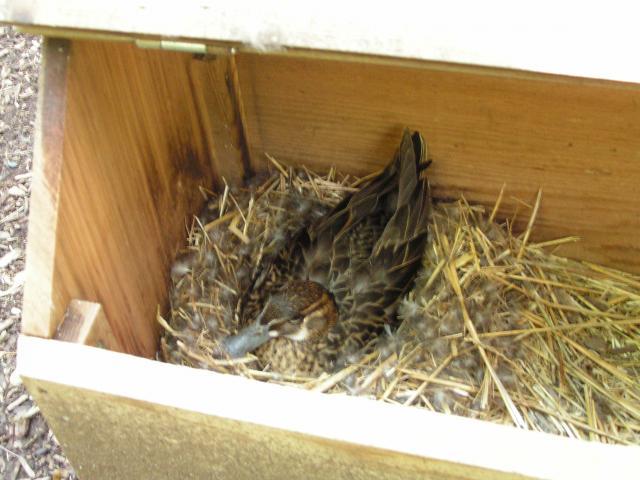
<point x="595" y="40"/>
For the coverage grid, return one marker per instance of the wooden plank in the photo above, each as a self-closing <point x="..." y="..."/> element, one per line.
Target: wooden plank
<point x="177" y="422"/>
<point x="85" y="323"/>
<point x="578" y="140"/>
<point x="219" y="105"/>
<point x="524" y="37"/>
<point x="134" y="156"/>
<point x="46" y="183"/>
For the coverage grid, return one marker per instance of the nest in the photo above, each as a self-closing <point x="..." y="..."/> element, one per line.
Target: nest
<point x="496" y="328"/>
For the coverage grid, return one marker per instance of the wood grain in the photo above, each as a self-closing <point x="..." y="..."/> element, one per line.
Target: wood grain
<point x="219" y="105"/>
<point x="145" y="419"/>
<point x="578" y="140"/>
<point x="85" y="323"/>
<point x="48" y="158"/>
<point x="133" y="156"/>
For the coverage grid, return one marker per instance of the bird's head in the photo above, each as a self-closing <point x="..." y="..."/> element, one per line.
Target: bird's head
<point x="303" y="311"/>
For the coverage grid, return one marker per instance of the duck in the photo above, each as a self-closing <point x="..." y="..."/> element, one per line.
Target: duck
<point x="344" y="274"/>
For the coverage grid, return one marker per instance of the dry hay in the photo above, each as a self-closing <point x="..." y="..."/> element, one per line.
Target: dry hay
<point x="496" y="327"/>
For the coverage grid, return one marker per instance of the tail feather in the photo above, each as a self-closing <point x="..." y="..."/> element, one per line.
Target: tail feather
<point x="327" y="251"/>
<point x="397" y="254"/>
<point x="372" y="288"/>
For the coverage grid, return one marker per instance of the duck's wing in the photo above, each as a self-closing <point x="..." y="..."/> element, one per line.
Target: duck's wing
<point x="329" y="249"/>
<point x="376" y="285"/>
<point x="307" y="244"/>
<point x="397" y="255"/>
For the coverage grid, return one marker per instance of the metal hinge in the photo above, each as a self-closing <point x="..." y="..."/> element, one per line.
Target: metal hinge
<point x="172" y="45"/>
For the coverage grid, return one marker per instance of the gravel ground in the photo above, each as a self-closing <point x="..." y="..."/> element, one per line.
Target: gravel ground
<point x="28" y="448"/>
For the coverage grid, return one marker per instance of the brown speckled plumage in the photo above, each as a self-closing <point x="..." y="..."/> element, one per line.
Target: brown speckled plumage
<point x="349" y="268"/>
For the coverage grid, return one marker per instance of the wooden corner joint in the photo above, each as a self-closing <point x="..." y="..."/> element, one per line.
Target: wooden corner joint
<point x="86" y="323"/>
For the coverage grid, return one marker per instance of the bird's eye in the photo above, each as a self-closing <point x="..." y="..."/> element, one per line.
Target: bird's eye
<point x="284" y="326"/>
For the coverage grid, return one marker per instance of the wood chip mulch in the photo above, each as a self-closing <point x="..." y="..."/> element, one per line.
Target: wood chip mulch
<point x="28" y="449"/>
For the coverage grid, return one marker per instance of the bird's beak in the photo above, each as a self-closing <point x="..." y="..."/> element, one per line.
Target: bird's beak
<point x="246" y="340"/>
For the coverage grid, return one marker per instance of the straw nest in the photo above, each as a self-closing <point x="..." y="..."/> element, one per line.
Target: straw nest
<point x="496" y="327"/>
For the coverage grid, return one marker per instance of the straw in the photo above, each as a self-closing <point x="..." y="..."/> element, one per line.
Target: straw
<point x="497" y="326"/>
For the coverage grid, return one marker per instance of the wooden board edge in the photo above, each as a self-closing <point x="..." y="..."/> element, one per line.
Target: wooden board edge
<point x="37" y="318"/>
<point x="86" y="323"/>
<point x="434" y="32"/>
<point x="218" y="104"/>
<point x="481" y="445"/>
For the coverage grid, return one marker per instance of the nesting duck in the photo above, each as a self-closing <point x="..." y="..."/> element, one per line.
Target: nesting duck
<point x="346" y="274"/>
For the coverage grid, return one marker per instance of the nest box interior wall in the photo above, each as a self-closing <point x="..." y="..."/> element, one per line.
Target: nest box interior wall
<point x="577" y="139"/>
<point x="123" y="174"/>
<point x="126" y="136"/>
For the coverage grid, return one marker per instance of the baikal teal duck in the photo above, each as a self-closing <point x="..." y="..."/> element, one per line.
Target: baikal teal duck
<point x="337" y="285"/>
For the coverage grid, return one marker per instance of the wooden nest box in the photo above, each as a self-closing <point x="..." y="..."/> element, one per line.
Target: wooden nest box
<point x="140" y="106"/>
